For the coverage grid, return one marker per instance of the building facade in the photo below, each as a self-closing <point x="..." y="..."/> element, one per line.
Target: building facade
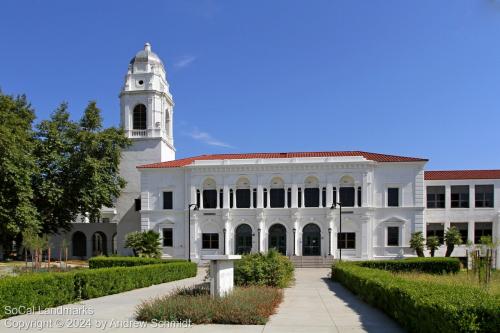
<point x="239" y="203"/>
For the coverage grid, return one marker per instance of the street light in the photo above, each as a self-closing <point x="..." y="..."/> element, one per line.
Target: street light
<point x="189" y="228"/>
<point x="334" y="205"/>
<point x="294" y="231"/>
<point x="329" y="241"/>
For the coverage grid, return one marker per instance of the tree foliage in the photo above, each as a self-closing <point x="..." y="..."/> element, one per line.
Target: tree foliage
<point x="17" y="167"/>
<point x="417" y="243"/>
<point x="56" y="171"/>
<point x="452" y="237"/>
<point x="144" y="244"/>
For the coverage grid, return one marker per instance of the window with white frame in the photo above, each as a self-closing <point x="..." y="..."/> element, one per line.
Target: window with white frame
<point x="393" y="236"/>
<point x="393" y="197"/>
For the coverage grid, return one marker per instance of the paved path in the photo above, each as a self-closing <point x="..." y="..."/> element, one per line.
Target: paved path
<point x="314" y="304"/>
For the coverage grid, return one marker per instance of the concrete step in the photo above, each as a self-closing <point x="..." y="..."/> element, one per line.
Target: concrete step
<point x="312" y="261"/>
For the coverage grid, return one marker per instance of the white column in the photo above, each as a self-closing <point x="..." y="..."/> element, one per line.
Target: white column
<point x="225" y="196"/>
<point x="260" y="196"/>
<point x="268" y="200"/>
<point x="320" y="196"/>
<point x="355" y="194"/>
<point x="294" y="196"/>
<point x="302" y="202"/>
<point x="217" y="201"/>
<point x="329" y="195"/>
<point x="447" y="196"/>
<point x="251" y="197"/>
<point x="234" y="198"/>
<point x="201" y="198"/>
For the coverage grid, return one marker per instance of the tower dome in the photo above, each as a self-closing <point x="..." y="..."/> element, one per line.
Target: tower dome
<point x="146" y="56"/>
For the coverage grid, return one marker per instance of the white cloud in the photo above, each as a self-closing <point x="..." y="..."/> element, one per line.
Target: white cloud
<point x="207" y="138"/>
<point x="184" y="61"/>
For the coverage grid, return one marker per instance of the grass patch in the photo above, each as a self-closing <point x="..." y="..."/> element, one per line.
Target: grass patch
<point x="460" y="279"/>
<point x="245" y="306"/>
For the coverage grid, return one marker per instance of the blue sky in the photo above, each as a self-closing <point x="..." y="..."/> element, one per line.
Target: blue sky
<point x="417" y="78"/>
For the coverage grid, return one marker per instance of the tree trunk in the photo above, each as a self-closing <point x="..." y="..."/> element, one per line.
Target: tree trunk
<point x="449" y="250"/>
<point x="420" y="253"/>
<point x="60" y="257"/>
<point x="66" y="258"/>
<point x="432" y="252"/>
<point x="48" y="259"/>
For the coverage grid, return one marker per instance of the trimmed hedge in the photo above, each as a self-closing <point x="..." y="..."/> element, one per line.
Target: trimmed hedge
<point x="264" y="269"/>
<point x="106" y="262"/>
<point x="44" y="290"/>
<point x="37" y="291"/>
<point x="424" y="265"/>
<point x="107" y="281"/>
<point x="421" y="306"/>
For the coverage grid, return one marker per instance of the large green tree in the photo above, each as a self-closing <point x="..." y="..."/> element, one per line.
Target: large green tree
<point x="17" y="167"/>
<point x="78" y="167"/>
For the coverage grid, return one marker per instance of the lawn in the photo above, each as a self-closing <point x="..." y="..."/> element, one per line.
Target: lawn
<point x="460" y="279"/>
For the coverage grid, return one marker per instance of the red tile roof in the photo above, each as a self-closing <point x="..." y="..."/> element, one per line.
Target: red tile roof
<point x="462" y="174"/>
<point x="369" y="156"/>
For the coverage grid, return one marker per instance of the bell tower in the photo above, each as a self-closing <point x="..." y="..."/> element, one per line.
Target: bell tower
<point x="146" y="104"/>
<point x="146" y="110"/>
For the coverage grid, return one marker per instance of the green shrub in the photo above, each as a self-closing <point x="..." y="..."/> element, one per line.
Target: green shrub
<point x="144" y="243"/>
<point x="106" y="281"/>
<point x="245" y="306"/>
<point x="421" y="306"/>
<point x="424" y="265"/>
<point x="265" y="269"/>
<point x="43" y="290"/>
<point x="105" y="262"/>
<point x="39" y="291"/>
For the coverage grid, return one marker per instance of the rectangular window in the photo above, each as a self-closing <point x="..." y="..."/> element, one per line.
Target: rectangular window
<point x="435" y="197"/>
<point x="265" y="198"/>
<point x="359" y="196"/>
<point x="311" y="197"/>
<point x="243" y="198"/>
<point x="460" y="196"/>
<point x="289" y="197"/>
<point x="299" y="197"/>
<point x="254" y="198"/>
<point x="346" y="240"/>
<point x="167" y="200"/>
<point x="231" y="198"/>
<point x="334" y="195"/>
<point x="137" y="204"/>
<point x="168" y="238"/>
<point x="209" y="199"/>
<point x="221" y="198"/>
<point x="484" y="196"/>
<point x="323" y="197"/>
<point x="392" y="236"/>
<point x="277" y="197"/>
<point x="436" y="229"/>
<point x="198" y="198"/>
<point x="393" y="197"/>
<point x="464" y="230"/>
<point x="210" y="241"/>
<point x="482" y="229"/>
<point x="346" y="196"/>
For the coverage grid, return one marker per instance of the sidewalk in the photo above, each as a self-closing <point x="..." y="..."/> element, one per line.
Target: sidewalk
<point x="314" y="304"/>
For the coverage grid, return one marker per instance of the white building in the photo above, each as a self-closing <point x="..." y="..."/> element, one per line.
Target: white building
<point x="253" y="202"/>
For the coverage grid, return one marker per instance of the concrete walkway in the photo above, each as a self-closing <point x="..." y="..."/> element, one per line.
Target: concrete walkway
<point x="314" y="304"/>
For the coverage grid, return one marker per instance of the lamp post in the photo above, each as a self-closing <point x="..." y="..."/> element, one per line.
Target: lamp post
<point x="189" y="228"/>
<point x="294" y="231"/>
<point x="258" y="240"/>
<point x="334" y="205"/>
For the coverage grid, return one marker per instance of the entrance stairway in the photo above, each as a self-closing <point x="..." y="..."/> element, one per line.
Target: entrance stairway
<point x="312" y="261"/>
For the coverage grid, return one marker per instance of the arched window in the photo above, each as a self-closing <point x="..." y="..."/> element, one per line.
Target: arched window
<point x="99" y="244"/>
<point x="243" y="239"/>
<point x="139" y="117"/>
<point x="346" y="191"/>
<point x="277" y="238"/>
<point x="79" y="244"/>
<point x="209" y="194"/>
<point x="311" y="192"/>
<point x="243" y="193"/>
<point x="277" y="193"/>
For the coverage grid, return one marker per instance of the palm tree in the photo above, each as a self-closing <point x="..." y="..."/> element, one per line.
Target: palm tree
<point x="452" y="237"/>
<point x="417" y="243"/>
<point x="432" y="244"/>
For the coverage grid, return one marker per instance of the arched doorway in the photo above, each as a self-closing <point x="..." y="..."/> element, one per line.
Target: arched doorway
<point x="99" y="244"/>
<point x="79" y="244"/>
<point x="243" y="239"/>
<point x="277" y="238"/>
<point x="311" y="240"/>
